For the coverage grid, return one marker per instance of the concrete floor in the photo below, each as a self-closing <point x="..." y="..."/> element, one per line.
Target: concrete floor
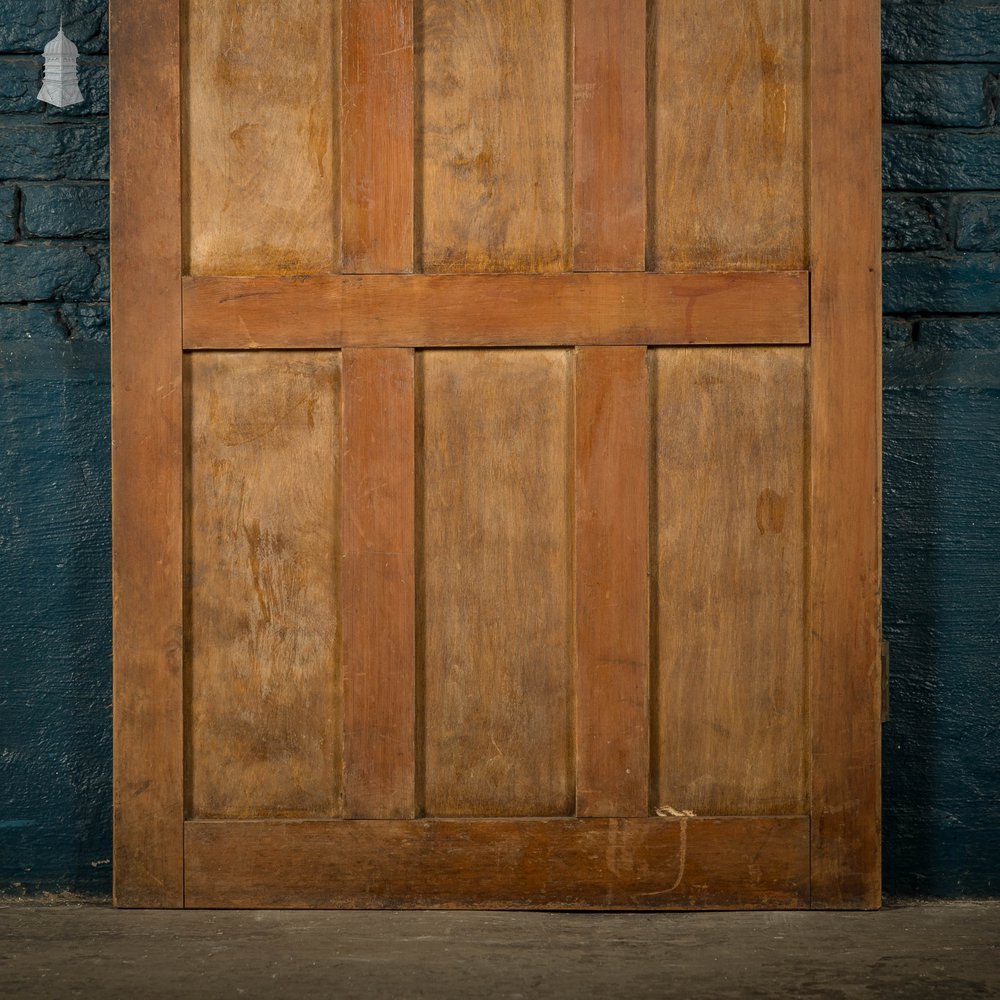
<point x="58" y="950"/>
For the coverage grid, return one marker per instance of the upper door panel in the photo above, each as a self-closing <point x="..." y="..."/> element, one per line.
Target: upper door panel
<point x="525" y="136"/>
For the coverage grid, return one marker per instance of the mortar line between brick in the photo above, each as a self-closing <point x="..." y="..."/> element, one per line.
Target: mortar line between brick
<point x="943" y="62"/>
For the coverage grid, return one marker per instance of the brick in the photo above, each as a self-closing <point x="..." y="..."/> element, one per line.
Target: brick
<point x="913" y="222"/>
<point x="88" y="320"/>
<point x="100" y="254"/>
<point x="939" y="95"/>
<point x="20" y="78"/>
<point x="36" y="272"/>
<point x="915" y="366"/>
<point x="922" y="159"/>
<point x="26" y="25"/>
<point x="941" y="283"/>
<point x="30" y="322"/>
<point x="964" y="334"/>
<point x="8" y="213"/>
<point x="51" y="151"/>
<point x="896" y="330"/>
<point x="936" y="31"/>
<point x="978" y="223"/>
<point x="59" y="210"/>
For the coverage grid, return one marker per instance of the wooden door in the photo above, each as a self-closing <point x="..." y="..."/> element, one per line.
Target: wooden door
<point x="496" y="453"/>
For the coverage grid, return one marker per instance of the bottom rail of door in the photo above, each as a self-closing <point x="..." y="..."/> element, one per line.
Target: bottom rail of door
<point x="545" y="864"/>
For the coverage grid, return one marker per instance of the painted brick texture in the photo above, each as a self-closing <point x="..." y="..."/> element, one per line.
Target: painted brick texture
<point x="942" y="452"/>
<point x="55" y="539"/>
<point x="941" y="410"/>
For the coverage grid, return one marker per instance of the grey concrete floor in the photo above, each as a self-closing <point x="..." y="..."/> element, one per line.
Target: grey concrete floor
<point x="60" y="950"/>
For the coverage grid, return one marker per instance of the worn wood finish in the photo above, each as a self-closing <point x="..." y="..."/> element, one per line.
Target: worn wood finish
<point x="263" y="571"/>
<point x="377" y="151"/>
<point x="146" y="455"/>
<point x="497" y="542"/>
<point x="379" y="472"/>
<point x="497" y="310"/>
<point x="536" y="864"/>
<point x="609" y="135"/>
<point x="259" y="136"/>
<point x="845" y="560"/>
<point x="730" y="459"/>
<point x="612" y="586"/>
<point x="727" y="117"/>
<point x="496" y="599"/>
<point x="379" y="596"/>
<point x="495" y="136"/>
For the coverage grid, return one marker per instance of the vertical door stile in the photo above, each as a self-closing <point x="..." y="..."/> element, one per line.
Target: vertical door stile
<point x="845" y="457"/>
<point x="147" y="456"/>
<point x="379" y="470"/>
<point x="612" y="597"/>
<point x="609" y="135"/>
<point x="379" y="597"/>
<point x="612" y="419"/>
<point x="377" y="136"/>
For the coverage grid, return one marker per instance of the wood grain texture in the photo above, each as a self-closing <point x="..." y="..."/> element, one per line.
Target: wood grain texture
<point x="730" y="455"/>
<point x="727" y="114"/>
<point x="263" y="663"/>
<point x="845" y="555"/>
<point x="147" y="454"/>
<point x="609" y="135"/>
<point x="537" y="864"/>
<point x="379" y="587"/>
<point x="496" y="512"/>
<point x="495" y="136"/>
<point x="377" y="152"/>
<point x="612" y="585"/>
<point x="497" y="310"/>
<point x="260" y="135"/>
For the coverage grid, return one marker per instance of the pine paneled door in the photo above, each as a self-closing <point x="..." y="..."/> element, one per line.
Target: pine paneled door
<point x="496" y="453"/>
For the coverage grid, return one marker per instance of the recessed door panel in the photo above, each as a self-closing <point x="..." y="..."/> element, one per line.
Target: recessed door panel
<point x="263" y="605"/>
<point x="495" y="519"/>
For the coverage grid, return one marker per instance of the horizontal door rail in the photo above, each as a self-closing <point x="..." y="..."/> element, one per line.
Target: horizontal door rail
<point x="635" y="864"/>
<point x="502" y="310"/>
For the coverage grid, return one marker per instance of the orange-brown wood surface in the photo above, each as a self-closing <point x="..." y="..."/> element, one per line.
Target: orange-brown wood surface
<point x="495" y="128"/>
<point x="605" y="551"/>
<point x="496" y="602"/>
<point x="730" y="454"/>
<point x="845" y="463"/>
<point x="602" y="864"/>
<point x="377" y="125"/>
<point x="727" y="121"/>
<point x="146" y="457"/>
<point x="499" y="310"/>
<point x="609" y="135"/>
<point x="260" y="144"/>
<point x="379" y="596"/>
<point x="263" y="656"/>
<point x="612" y="585"/>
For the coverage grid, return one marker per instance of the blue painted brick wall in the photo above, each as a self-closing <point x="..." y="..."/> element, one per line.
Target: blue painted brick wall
<point x="941" y="76"/>
<point x="55" y="593"/>
<point x="942" y="452"/>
